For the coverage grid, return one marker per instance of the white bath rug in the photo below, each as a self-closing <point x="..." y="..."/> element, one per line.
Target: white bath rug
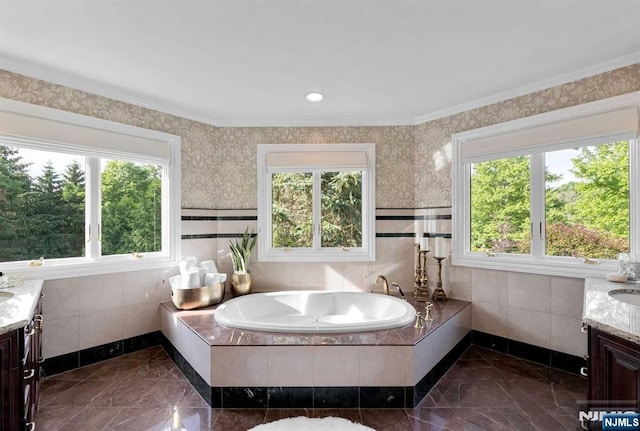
<point x="312" y="424"/>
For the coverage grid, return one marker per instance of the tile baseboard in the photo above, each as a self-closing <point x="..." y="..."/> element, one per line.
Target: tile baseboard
<point x="540" y="355"/>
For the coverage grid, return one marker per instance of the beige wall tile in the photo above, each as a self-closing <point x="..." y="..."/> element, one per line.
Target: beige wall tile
<point x="489" y="286"/>
<point x="290" y="365"/>
<point x="529" y="326"/>
<point x="567" y="296"/>
<point x="567" y="336"/>
<point x="61" y="298"/>
<point x="60" y="336"/>
<point x="488" y="317"/>
<point x="530" y="291"/>
<point x="100" y="292"/>
<point x="101" y="327"/>
<point x="336" y="366"/>
<point x="383" y="365"/>
<point x="141" y="319"/>
<point x="240" y="366"/>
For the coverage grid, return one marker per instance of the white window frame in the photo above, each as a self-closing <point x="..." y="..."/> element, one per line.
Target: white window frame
<point x="93" y="263"/>
<point x="537" y="262"/>
<point x="267" y="253"/>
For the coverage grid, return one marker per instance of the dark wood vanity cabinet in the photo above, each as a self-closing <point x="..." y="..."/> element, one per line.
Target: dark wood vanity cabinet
<point x="614" y="372"/>
<point x="21" y="356"/>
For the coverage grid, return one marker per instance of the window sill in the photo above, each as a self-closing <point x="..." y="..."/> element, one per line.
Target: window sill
<point x="350" y="255"/>
<point x="570" y="268"/>
<point x="57" y="270"/>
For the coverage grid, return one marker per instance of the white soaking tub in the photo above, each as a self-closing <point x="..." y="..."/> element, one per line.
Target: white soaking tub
<point x="313" y="311"/>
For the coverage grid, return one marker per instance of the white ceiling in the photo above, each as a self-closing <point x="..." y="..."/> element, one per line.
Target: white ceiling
<point x="250" y="62"/>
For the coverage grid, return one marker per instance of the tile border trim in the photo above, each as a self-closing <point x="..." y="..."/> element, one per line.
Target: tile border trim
<point x="529" y="352"/>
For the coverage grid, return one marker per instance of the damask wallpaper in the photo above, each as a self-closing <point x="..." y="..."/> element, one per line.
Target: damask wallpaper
<point x="413" y="162"/>
<point x="219" y="164"/>
<point x="433" y="170"/>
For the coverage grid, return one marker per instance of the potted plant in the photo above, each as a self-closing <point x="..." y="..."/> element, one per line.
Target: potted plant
<point x="240" y="255"/>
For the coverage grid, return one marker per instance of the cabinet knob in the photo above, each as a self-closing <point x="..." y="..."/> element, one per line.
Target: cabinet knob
<point x="28" y="374"/>
<point x="583" y="371"/>
<point x="29" y="332"/>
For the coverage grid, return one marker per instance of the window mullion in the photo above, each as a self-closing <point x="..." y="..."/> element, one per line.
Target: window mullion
<point x="317" y="219"/>
<point x="537" y="204"/>
<point x="634" y="198"/>
<point x="92" y="208"/>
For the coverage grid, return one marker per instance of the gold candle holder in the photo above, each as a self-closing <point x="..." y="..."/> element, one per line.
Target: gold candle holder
<point x="421" y="281"/>
<point x="438" y="293"/>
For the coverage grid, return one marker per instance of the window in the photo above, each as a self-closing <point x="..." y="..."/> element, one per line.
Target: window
<point x="89" y="196"/>
<point x="551" y="194"/>
<point x="316" y="202"/>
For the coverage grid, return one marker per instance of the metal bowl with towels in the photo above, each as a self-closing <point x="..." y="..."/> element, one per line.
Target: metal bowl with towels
<point x="188" y="299"/>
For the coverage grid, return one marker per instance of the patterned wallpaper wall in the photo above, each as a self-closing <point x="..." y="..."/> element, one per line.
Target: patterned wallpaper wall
<point x="433" y="170"/>
<point x="219" y="164"/>
<point x="413" y="162"/>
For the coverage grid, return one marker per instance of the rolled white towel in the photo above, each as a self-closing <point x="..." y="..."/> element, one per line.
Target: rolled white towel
<point x="214" y="278"/>
<point x="191" y="279"/>
<point x="202" y="272"/>
<point x="209" y="265"/>
<point x="187" y="264"/>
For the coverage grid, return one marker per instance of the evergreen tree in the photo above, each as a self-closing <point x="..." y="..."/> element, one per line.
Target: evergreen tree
<point x="73" y="196"/>
<point x="14" y="182"/>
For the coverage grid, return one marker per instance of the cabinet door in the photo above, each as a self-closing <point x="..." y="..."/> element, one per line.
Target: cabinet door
<point x="617" y="371"/>
<point x="9" y="389"/>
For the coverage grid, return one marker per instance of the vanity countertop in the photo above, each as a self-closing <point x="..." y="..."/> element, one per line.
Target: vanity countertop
<point x="17" y="311"/>
<point x="608" y="314"/>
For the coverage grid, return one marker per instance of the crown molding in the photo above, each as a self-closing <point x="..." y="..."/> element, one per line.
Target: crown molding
<point x="564" y="78"/>
<point x="55" y="76"/>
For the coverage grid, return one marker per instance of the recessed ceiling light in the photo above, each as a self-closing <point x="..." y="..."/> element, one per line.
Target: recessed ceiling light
<point x="314" y="96"/>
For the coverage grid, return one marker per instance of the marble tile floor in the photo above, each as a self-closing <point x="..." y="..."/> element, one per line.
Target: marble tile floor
<point x="484" y="390"/>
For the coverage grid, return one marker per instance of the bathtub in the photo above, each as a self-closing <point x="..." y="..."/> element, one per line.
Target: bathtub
<point x="315" y="311"/>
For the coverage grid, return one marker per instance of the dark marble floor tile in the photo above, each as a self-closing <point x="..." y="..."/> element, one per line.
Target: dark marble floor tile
<point x="473" y="352"/>
<point x="516" y="368"/>
<point x="53" y="418"/>
<point x="192" y="398"/>
<point x="164" y="394"/>
<point x="191" y="419"/>
<point x="114" y="370"/>
<point x="145" y="354"/>
<point x="530" y="416"/>
<point x="238" y="420"/>
<point x="52" y="388"/>
<point x="123" y="393"/>
<point x="82" y="394"/>
<point x="277" y="414"/>
<point x="432" y="399"/>
<point x="478" y="393"/>
<point x="386" y="419"/>
<point x="470" y="419"/>
<point x="136" y="418"/>
<point x="350" y="414"/>
<point x="80" y="373"/>
<point x="475" y="369"/>
<point x="92" y="418"/>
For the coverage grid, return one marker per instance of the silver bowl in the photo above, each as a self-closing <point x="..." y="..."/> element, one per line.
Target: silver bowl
<point x="188" y="299"/>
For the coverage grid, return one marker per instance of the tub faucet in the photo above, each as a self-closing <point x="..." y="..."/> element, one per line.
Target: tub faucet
<point x="385" y="284"/>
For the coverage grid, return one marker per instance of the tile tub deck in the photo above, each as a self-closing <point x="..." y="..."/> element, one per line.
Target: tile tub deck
<point x="392" y="368"/>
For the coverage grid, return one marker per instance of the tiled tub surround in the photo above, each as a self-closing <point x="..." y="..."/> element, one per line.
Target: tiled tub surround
<point x="389" y="368"/>
<point x="608" y="314"/>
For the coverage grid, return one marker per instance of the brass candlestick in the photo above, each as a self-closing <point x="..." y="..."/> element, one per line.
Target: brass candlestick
<point x="438" y="293"/>
<point x="421" y="290"/>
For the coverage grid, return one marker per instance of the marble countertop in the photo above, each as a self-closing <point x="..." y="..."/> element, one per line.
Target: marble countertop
<point x="17" y="311"/>
<point x="603" y="312"/>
